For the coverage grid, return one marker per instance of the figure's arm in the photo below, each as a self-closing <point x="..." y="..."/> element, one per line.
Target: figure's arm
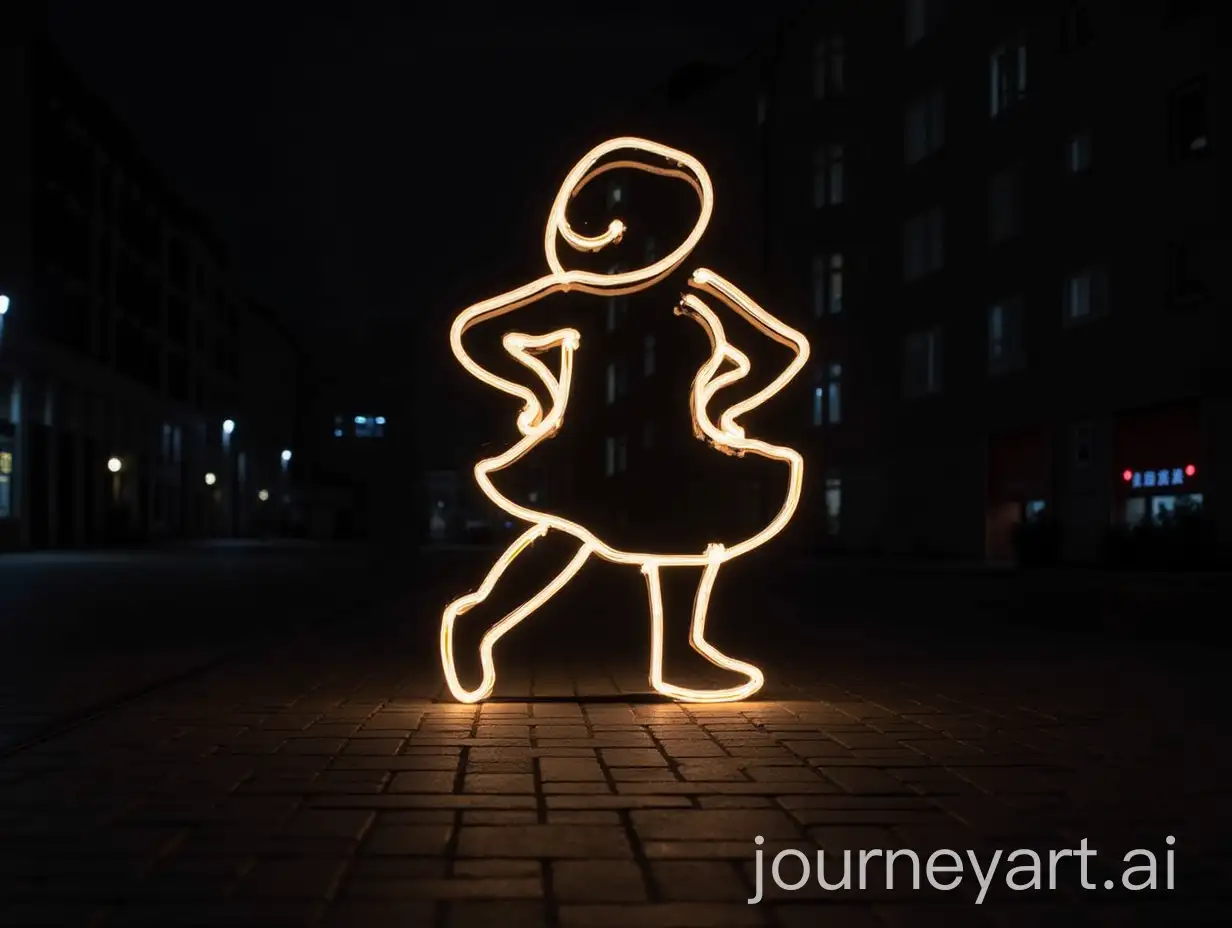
<point x="769" y="325"/>
<point x="520" y="347"/>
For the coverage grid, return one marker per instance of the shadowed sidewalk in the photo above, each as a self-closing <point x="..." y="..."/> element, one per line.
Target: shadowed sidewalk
<point x="326" y="782"/>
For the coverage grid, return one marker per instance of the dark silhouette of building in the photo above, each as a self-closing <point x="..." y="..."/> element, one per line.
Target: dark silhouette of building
<point x="141" y="396"/>
<point x="1003" y="220"/>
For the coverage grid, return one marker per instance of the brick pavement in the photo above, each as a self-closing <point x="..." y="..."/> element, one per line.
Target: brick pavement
<point x="332" y="788"/>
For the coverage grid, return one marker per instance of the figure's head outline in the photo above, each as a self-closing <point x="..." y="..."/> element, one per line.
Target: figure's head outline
<point x="682" y="165"/>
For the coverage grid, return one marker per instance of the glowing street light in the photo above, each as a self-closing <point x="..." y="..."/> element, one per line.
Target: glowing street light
<point x="210" y="479"/>
<point x="115" y="465"/>
<point x="228" y="426"/>
<point x="263" y="495"/>
<point x="4" y="303"/>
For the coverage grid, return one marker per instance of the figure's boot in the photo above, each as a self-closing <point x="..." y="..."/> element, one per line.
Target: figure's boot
<point x="755" y="679"/>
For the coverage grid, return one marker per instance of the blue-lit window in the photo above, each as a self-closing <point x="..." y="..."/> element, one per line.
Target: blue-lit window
<point x="369" y="426"/>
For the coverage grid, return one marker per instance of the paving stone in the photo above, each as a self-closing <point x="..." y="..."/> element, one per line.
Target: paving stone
<point x="498" y="783"/>
<point x="663" y="915"/>
<point x="699" y="881"/>
<point x="544" y="841"/>
<point x="598" y="881"/>
<point x="408" y="839"/>
<point x="432" y="781"/>
<point x="303" y="878"/>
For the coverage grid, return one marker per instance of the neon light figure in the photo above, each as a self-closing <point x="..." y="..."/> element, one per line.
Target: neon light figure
<point x="535" y="424"/>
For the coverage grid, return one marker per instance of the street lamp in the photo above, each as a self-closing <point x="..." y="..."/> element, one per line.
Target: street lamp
<point x="228" y="426"/>
<point x="210" y="479"/>
<point x="286" y="455"/>
<point x="4" y="303"/>
<point x="115" y="465"/>
<point x="263" y="495"/>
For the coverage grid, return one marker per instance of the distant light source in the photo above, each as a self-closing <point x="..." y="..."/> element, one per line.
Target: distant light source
<point x="1190" y="470"/>
<point x="286" y="455"/>
<point x="115" y="465"/>
<point x="361" y="420"/>
<point x="4" y="303"/>
<point x="1127" y="475"/>
<point x="263" y="495"/>
<point x="380" y="420"/>
<point x="210" y="479"/>
<point x="228" y="426"/>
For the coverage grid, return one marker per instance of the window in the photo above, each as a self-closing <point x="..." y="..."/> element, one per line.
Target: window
<point x="651" y="251"/>
<point x="1085" y="294"/>
<point x="615" y="194"/>
<point x="828" y="396"/>
<point x="1005" y="348"/>
<point x="1076" y="31"/>
<point x="922" y="374"/>
<point x="1081" y="443"/>
<point x="1189" y="120"/>
<point x="924" y="243"/>
<point x="369" y="427"/>
<point x="828" y="175"/>
<point x="834" y="504"/>
<point x="1035" y="510"/>
<point x="921" y="17"/>
<point x="924" y="129"/>
<point x="609" y="457"/>
<point x="648" y="355"/>
<point x="829" y="67"/>
<point x="827" y="284"/>
<point x="834" y="390"/>
<point x="610" y="392"/>
<point x="1078" y="152"/>
<point x="1005" y="205"/>
<point x="1186" y="273"/>
<point x="622" y="454"/>
<point x="1007" y="75"/>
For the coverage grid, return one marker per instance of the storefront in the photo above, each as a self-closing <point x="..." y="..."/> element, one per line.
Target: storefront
<point x="1160" y="464"/>
<point x="1019" y="487"/>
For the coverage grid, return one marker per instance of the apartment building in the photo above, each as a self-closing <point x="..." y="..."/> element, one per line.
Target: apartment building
<point x="140" y="394"/>
<point x="1003" y="219"/>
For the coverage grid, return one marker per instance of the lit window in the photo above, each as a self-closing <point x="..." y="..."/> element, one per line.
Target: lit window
<point x="369" y="426"/>
<point x="615" y="194"/>
<point x="834" y="387"/>
<point x="828" y="175"/>
<point x="1035" y="510"/>
<point x="1078" y="152"/>
<point x="922" y="374"/>
<point x="1084" y="295"/>
<point x="611" y="382"/>
<point x="1005" y="349"/>
<point x="648" y="355"/>
<point x="1007" y="74"/>
<point x="819" y="405"/>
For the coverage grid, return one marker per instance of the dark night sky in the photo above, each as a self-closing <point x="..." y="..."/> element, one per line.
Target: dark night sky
<point x="340" y="153"/>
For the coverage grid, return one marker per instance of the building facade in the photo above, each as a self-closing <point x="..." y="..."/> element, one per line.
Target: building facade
<point x="141" y="396"/>
<point x="1003" y="219"/>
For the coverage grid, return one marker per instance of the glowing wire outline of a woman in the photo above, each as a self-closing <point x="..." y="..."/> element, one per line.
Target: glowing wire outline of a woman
<point x="535" y="424"/>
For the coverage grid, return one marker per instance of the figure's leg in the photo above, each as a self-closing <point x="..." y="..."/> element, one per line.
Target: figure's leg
<point x="465" y="603"/>
<point x="697" y="638"/>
